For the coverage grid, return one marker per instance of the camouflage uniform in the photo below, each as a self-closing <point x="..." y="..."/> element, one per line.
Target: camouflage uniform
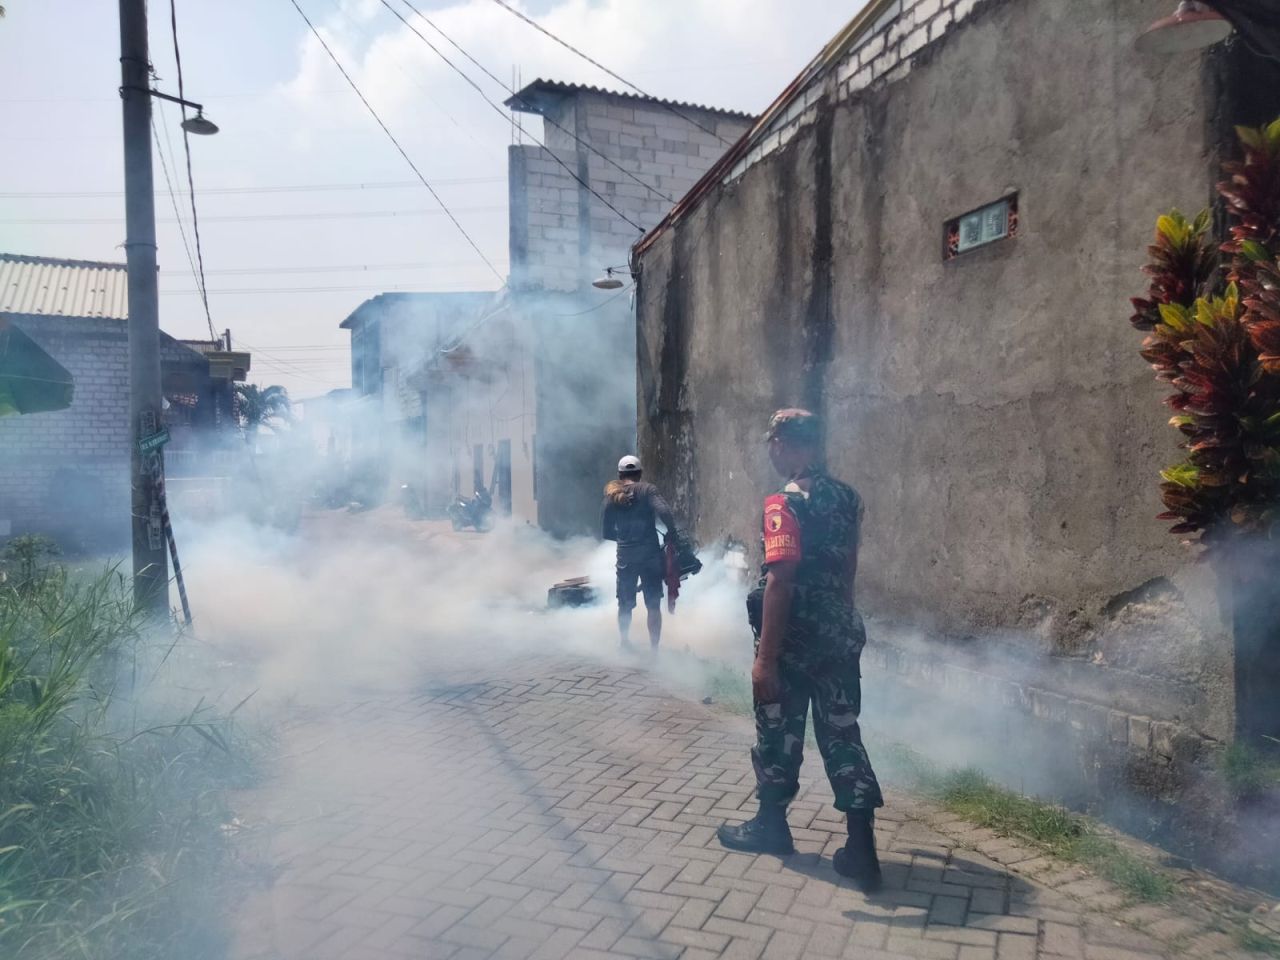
<point x="821" y="648"/>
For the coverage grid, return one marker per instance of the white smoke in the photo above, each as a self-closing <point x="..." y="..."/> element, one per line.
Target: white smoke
<point x="367" y="600"/>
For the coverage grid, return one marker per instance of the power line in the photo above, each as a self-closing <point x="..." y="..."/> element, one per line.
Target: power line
<point x="598" y="306"/>
<point x="116" y="99"/>
<point x="349" y="268"/>
<point x="182" y="230"/>
<point x="281" y="364"/>
<point x="255" y="217"/>
<point x="300" y="374"/>
<point x="191" y="183"/>
<point x="310" y="347"/>
<point x="292" y="188"/>
<point x="600" y="66"/>
<point x="502" y="113"/>
<point x="196" y="273"/>
<point x="337" y="5"/>
<point x="454" y="288"/>
<point x="513" y="93"/>
<point x="394" y="141"/>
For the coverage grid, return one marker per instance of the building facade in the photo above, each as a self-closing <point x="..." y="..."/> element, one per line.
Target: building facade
<point x="930" y="238"/>
<point x="537" y="396"/>
<point x="393" y="335"/>
<point x="66" y="473"/>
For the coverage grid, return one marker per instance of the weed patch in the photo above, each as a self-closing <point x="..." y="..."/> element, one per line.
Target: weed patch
<point x="111" y="813"/>
<point x="729" y="687"/>
<point x="1247" y="772"/>
<point x="1256" y="942"/>
<point x="970" y="794"/>
<point x="1057" y="831"/>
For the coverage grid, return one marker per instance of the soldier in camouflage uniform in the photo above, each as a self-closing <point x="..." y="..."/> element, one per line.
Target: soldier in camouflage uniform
<point x="809" y="638"/>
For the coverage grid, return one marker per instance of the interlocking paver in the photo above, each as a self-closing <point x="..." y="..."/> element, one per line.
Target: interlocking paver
<point x="530" y="808"/>
<point x="988" y="901"/>
<point x="949" y="910"/>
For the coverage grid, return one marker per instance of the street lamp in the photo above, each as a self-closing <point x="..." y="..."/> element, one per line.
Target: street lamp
<point x="1193" y="26"/>
<point x="609" y="281"/>
<point x="199" y="125"/>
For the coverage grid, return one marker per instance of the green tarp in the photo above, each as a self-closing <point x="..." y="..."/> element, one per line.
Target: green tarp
<point x="31" y="381"/>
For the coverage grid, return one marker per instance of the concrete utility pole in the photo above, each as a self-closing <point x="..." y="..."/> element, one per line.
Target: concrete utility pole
<point x="150" y="565"/>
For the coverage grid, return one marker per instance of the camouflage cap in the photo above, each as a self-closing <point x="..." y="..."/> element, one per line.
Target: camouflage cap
<point x="795" y="426"/>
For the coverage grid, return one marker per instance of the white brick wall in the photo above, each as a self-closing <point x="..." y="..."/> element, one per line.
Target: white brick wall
<point x="90" y="437"/>
<point x="882" y="57"/>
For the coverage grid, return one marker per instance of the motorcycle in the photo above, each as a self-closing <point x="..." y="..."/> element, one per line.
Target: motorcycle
<point x="412" y="503"/>
<point x="474" y="512"/>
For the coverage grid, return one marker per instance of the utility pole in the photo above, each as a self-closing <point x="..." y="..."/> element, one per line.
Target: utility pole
<point x="146" y="470"/>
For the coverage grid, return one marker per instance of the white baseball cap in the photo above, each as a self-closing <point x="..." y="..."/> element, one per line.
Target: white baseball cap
<point x="629" y="464"/>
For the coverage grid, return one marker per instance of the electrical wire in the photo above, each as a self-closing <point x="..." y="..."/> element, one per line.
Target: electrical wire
<point x="394" y="141"/>
<point x="191" y="184"/>
<point x="177" y="213"/>
<point x="340" y="7"/>
<point x="293" y="188"/>
<point x="502" y="113"/>
<point x="348" y="268"/>
<point x="600" y="66"/>
<point x="368" y="287"/>
<point x="255" y="217"/>
<point x="280" y="365"/>
<point x="586" y="143"/>
<point x="471" y="329"/>
<point x="604" y="303"/>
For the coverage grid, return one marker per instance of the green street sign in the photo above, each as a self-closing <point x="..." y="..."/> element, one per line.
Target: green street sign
<point x="153" y="442"/>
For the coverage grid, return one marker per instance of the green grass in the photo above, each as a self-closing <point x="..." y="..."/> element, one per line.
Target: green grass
<point x="111" y="798"/>
<point x="1247" y="771"/>
<point x="1052" y="828"/>
<point x="971" y="794"/>
<point x="1255" y="942"/>
<point x="727" y="686"/>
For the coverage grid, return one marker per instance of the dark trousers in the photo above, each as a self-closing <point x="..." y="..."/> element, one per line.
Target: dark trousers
<point x="835" y="694"/>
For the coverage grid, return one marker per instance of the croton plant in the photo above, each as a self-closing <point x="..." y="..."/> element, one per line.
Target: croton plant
<point x="1213" y="334"/>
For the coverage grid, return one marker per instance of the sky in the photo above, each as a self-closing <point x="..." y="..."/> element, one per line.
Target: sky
<point x="306" y="208"/>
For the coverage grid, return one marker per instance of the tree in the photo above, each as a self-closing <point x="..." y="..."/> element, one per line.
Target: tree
<point x="261" y="407"/>
<point x="1216" y="341"/>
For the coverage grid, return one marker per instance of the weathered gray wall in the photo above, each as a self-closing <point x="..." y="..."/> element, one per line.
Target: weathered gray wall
<point x="992" y="410"/>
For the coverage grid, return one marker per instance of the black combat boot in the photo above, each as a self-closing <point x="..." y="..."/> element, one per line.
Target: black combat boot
<point x="766" y="832"/>
<point x="857" y="859"/>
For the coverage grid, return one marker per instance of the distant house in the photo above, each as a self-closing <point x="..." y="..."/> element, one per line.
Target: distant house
<point x="393" y="335"/>
<point x="533" y="393"/>
<point x="66" y="473"/>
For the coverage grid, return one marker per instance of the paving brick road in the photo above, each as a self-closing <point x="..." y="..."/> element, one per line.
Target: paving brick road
<point x="544" y="808"/>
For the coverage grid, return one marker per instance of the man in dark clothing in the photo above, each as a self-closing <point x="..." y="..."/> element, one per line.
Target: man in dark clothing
<point x="809" y="638"/>
<point x="628" y="516"/>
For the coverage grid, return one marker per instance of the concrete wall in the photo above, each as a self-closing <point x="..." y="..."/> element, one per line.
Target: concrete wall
<point x="991" y="409"/>
<point x="66" y="473"/>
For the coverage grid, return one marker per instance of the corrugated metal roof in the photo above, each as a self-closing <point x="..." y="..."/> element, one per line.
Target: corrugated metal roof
<point x="527" y="99"/>
<point x="67" y="288"/>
